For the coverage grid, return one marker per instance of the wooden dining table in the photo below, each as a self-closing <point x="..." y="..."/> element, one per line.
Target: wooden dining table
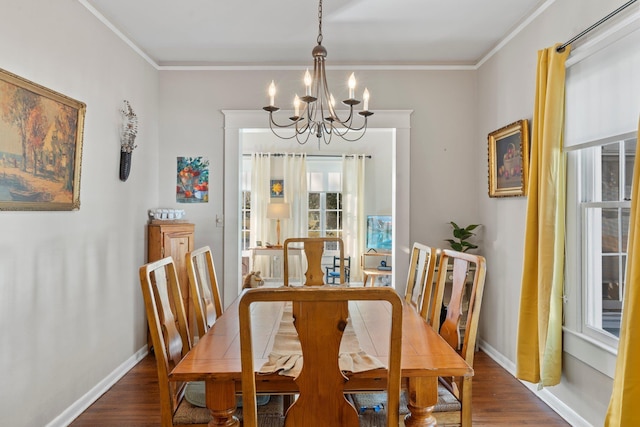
<point x="215" y="359"/>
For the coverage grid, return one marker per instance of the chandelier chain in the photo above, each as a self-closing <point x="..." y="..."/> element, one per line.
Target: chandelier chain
<point x="320" y="22"/>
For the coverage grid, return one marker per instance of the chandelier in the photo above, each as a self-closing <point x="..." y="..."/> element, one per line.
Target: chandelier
<point x="319" y="116"/>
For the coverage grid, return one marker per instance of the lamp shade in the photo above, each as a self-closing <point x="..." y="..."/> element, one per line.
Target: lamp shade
<point x="278" y="210"/>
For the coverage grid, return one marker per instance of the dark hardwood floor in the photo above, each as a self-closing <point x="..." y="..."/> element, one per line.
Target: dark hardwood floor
<point x="498" y="400"/>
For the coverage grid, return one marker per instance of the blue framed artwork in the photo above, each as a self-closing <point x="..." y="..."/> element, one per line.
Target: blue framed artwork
<point x="277" y="188"/>
<point x="379" y="232"/>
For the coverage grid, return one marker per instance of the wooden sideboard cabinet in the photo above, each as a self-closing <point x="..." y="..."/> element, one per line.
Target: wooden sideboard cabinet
<point x="175" y="239"/>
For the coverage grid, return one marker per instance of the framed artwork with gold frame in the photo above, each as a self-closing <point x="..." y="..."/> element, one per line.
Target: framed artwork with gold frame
<point x="41" y="134"/>
<point x="509" y="160"/>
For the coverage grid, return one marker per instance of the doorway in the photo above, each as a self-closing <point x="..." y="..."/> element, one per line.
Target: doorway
<point x="239" y="124"/>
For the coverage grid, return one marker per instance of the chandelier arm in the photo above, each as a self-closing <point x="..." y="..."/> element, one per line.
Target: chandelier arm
<point x="355" y="129"/>
<point x="346" y="138"/>
<point x="324" y="138"/>
<point x="302" y="142"/>
<point x="348" y="121"/>
<point x="281" y="136"/>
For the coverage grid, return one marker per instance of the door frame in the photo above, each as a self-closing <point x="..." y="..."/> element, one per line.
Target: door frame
<point x="237" y="120"/>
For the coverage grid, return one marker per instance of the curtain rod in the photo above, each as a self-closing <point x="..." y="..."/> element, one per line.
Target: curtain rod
<point x="562" y="47"/>
<point x="335" y="156"/>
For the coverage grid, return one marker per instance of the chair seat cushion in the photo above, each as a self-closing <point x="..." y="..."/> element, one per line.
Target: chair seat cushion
<point x="269" y="414"/>
<point x="191" y="414"/>
<point x="369" y="402"/>
<point x="195" y="394"/>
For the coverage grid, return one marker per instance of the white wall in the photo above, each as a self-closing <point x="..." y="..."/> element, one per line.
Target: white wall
<point x="71" y="309"/>
<point x="442" y="129"/>
<point x="506" y="85"/>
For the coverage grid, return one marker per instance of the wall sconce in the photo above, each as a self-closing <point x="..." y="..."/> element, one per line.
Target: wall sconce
<point x="278" y="211"/>
<point x="127" y="139"/>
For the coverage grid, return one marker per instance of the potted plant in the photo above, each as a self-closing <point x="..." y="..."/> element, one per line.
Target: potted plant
<point x="461" y="235"/>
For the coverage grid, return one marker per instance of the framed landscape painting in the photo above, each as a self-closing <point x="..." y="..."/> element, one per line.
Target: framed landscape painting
<point x="41" y="135"/>
<point x="509" y="160"/>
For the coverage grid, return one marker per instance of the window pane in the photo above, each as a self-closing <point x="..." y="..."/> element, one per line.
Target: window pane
<point x="332" y="234"/>
<point x="611" y="294"/>
<point x="314" y="234"/>
<point x="332" y="220"/>
<point x="610" y="272"/>
<point x="334" y="183"/>
<point x="610" y="172"/>
<point x="332" y="201"/>
<point x="610" y="230"/>
<point x="629" y="159"/>
<point x="625" y="228"/>
<point x="246" y="223"/>
<point x="314" y="200"/>
<point x="314" y="181"/>
<point x="314" y="221"/>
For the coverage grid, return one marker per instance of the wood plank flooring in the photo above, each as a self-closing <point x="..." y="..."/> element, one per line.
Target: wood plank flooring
<point x="498" y="400"/>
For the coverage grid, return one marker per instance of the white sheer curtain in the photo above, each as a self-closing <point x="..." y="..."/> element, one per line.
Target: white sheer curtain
<point x="295" y="193"/>
<point x="353" y="227"/>
<point x="260" y="194"/>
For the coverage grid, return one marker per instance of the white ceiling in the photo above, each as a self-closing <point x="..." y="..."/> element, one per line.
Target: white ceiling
<point x="283" y="32"/>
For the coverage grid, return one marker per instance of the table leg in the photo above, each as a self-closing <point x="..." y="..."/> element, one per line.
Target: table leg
<point x="221" y="401"/>
<point x="364" y="282"/>
<point x="423" y="396"/>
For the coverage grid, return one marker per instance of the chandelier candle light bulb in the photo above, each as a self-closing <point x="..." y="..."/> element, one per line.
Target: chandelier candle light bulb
<point x="365" y="98"/>
<point x="352" y="86"/>
<point x="307" y="82"/>
<point x="296" y="106"/>
<point x="272" y="93"/>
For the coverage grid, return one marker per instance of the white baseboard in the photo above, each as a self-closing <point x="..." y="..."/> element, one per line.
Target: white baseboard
<point x="73" y="411"/>
<point x="545" y="395"/>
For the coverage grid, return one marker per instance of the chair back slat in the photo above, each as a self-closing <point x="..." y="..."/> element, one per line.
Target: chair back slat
<point x="313" y="250"/>
<point x="320" y="317"/>
<point x="420" y="277"/>
<point x="203" y="284"/>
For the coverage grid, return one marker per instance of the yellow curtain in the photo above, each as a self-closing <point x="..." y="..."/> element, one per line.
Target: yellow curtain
<point x="623" y="409"/>
<point x="539" y="344"/>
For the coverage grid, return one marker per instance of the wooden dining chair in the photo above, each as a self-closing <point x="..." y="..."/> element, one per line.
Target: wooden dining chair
<point x="320" y="316"/>
<point x="203" y="283"/>
<point x="171" y="342"/>
<point x="313" y="248"/>
<point x="458" y="319"/>
<point x="422" y="265"/>
<point x="462" y="312"/>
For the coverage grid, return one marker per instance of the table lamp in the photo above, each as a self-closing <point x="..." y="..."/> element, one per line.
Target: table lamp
<point x="278" y="211"/>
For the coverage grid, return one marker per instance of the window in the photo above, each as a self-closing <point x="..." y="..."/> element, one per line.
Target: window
<point x="324" y="184"/>
<point x="246" y="221"/>
<point x="245" y="208"/>
<point x="604" y="201"/>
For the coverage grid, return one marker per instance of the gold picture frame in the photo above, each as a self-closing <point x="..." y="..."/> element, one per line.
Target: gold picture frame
<point x="509" y="160"/>
<point x="41" y="133"/>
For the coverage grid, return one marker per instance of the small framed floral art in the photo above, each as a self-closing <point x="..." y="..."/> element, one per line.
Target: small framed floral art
<point x="277" y="188"/>
<point x="509" y="160"/>
<point x="193" y="180"/>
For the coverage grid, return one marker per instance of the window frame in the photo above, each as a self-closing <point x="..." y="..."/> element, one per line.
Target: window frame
<point x="595" y="347"/>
